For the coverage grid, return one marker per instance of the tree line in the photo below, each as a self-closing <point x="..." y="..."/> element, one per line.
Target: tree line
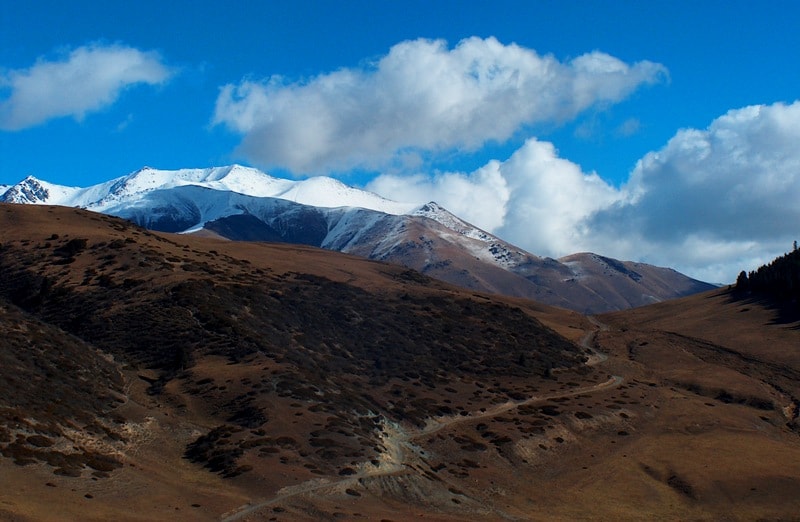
<point x="779" y="279"/>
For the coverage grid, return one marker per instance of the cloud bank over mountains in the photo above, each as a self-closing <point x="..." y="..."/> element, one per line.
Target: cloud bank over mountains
<point x="86" y="80"/>
<point x="713" y="201"/>
<point x="534" y="199"/>
<point x="420" y="97"/>
<point x="709" y="203"/>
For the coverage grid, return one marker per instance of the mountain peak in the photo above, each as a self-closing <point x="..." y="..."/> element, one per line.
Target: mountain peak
<point x="324" y="212"/>
<point x="232" y="178"/>
<point x="444" y="217"/>
<point x="318" y="191"/>
<point x="433" y="210"/>
<point x="431" y="206"/>
<point x="30" y="190"/>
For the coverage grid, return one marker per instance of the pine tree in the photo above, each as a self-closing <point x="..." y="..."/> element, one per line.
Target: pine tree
<point x="742" y="283"/>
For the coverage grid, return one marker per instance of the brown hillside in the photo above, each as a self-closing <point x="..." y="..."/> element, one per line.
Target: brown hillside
<point x="159" y="377"/>
<point x="728" y="375"/>
<point x="238" y="341"/>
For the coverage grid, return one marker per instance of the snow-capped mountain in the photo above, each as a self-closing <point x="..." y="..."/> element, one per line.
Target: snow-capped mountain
<point x="242" y="203"/>
<point x="33" y="191"/>
<point x="319" y="192"/>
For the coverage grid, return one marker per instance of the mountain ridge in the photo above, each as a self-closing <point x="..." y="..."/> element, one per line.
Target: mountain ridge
<point x="322" y="191"/>
<point x="325" y="213"/>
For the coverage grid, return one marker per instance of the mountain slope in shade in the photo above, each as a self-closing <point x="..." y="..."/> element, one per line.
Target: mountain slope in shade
<point x="627" y="284"/>
<point x="240" y="203"/>
<point x="430" y="240"/>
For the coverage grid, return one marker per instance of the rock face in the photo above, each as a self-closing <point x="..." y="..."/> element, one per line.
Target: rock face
<point x="30" y="191"/>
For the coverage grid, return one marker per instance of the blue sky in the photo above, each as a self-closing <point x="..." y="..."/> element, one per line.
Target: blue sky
<point x="678" y="66"/>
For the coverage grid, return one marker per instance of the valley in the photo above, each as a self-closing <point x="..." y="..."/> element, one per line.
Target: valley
<point x="151" y="376"/>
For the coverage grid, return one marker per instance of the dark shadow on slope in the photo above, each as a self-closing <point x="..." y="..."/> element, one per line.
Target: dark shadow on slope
<point x="787" y="312"/>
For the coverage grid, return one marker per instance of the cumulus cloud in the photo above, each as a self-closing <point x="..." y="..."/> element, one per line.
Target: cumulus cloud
<point x="420" y="96"/>
<point x="479" y="197"/>
<point x="88" y="79"/>
<point x="550" y="199"/>
<point x="710" y="203"/>
<point x="534" y="199"/>
<point x="715" y="199"/>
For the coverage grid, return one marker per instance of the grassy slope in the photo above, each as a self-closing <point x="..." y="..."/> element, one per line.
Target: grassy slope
<point x="241" y="340"/>
<point x="727" y="374"/>
<point x="277" y="375"/>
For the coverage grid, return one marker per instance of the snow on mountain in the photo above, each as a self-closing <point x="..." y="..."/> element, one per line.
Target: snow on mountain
<point x="485" y="246"/>
<point x="349" y="228"/>
<point x="151" y="198"/>
<point x="34" y="191"/>
<point x="159" y="199"/>
<point x="433" y="211"/>
<point x="328" y="193"/>
<point x="371" y="233"/>
<point x="319" y="191"/>
<point x="243" y="180"/>
<point x="242" y="203"/>
<point x="189" y="207"/>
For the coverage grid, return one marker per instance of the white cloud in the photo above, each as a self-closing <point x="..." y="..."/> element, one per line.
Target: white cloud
<point x="550" y="199"/>
<point x="534" y="199"/>
<point x="420" y="96"/>
<point x="88" y="79"/>
<point x="710" y="203"/>
<point x="715" y="201"/>
<point x="479" y="197"/>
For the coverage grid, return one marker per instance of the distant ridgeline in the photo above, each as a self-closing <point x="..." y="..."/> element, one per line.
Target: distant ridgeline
<point x="779" y="280"/>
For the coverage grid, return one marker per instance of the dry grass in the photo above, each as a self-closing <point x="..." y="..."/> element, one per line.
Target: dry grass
<point x="319" y="386"/>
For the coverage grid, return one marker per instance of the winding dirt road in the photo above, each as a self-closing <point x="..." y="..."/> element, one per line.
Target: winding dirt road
<point x="400" y="452"/>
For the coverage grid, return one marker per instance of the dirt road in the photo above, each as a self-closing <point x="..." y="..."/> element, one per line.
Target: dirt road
<point x="400" y="453"/>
